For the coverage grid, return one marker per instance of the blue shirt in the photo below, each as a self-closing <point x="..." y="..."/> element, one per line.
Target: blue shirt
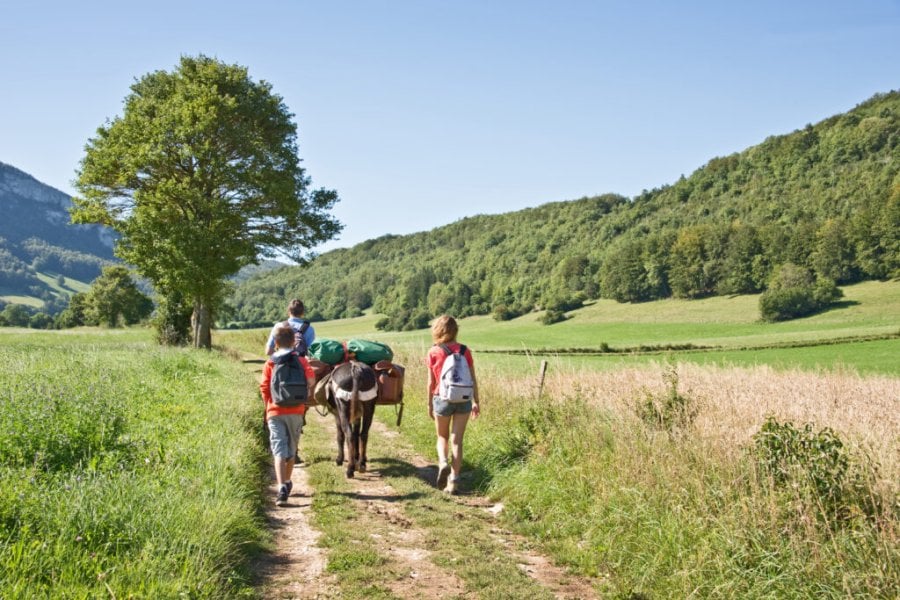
<point x="309" y="335"/>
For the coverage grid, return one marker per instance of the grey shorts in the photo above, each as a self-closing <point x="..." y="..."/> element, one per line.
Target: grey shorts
<point x="442" y="408"/>
<point x="284" y="434"/>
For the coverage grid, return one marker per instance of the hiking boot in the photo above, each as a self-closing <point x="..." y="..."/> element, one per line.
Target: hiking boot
<point x="282" y="498"/>
<point x="443" y="473"/>
<point x="451" y="487"/>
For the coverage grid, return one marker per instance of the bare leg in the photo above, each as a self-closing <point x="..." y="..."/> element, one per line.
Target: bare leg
<point x="283" y="469"/>
<point x="442" y="428"/>
<point x="456" y="441"/>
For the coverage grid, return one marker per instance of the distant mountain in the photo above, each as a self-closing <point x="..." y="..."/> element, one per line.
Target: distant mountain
<point x="42" y="255"/>
<point x="825" y="197"/>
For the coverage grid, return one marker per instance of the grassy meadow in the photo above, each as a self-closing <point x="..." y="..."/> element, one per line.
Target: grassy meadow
<point x="649" y="471"/>
<point x="843" y="338"/>
<point x="754" y="470"/>
<point x="126" y="470"/>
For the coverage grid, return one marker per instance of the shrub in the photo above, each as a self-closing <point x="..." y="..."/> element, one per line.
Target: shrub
<point x="523" y="430"/>
<point x="172" y="322"/>
<point x="503" y="313"/>
<point x="16" y="315"/>
<point x="785" y="304"/>
<point x="40" y="320"/>
<point x="819" y="466"/>
<point x="672" y="411"/>
<point x="793" y="292"/>
<point x="404" y="320"/>
<point x="552" y="316"/>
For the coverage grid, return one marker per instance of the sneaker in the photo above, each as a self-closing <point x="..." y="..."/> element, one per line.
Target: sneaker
<point x="451" y="487"/>
<point x="290" y="486"/>
<point x="443" y="473"/>
<point x="282" y="498"/>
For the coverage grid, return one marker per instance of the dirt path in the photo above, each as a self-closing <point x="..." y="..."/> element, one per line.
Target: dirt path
<point x="537" y="566"/>
<point x="389" y="523"/>
<point x="393" y="535"/>
<point x="296" y="567"/>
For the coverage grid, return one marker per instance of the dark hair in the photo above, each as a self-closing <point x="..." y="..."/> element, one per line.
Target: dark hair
<point x="284" y="337"/>
<point x="296" y="308"/>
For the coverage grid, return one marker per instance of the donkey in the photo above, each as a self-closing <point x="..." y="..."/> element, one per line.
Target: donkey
<point x="351" y="397"/>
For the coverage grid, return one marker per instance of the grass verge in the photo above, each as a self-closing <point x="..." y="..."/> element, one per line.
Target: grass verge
<point x="127" y="471"/>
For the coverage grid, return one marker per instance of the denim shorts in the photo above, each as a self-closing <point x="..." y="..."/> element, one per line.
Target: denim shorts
<point x="442" y="408"/>
<point x="284" y="434"/>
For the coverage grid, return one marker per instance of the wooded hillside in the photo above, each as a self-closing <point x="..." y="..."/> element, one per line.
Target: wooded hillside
<point x="37" y="238"/>
<point x="825" y="197"/>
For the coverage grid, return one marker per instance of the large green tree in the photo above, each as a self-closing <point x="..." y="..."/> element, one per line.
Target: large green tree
<point x="201" y="176"/>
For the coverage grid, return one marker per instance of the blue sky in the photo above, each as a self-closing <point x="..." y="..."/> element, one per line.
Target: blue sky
<point x="422" y="112"/>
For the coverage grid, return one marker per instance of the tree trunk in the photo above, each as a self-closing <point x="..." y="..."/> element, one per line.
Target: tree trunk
<point x="200" y="325"/>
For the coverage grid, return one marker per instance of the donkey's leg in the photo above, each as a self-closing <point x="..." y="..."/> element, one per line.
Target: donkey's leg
<point x="339" y="433"/>
<point x="347" y="429"/>
<point x="368" y="413"/>
<point x="353" y="448"/>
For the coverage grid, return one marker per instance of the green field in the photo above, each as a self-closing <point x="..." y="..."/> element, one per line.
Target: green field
<point x="730" y="326"/>
<point x="69" y="287"/>
<point x="128" y="470"/>
<point x="10" y="298"/>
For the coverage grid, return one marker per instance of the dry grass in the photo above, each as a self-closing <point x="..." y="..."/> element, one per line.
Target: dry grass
<point x="734" y="402"/>
<point x="683" y="512"/>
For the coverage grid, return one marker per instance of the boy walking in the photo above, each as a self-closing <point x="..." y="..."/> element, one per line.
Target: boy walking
<point x="283" y="390"/>
<point x="304" y="336"/>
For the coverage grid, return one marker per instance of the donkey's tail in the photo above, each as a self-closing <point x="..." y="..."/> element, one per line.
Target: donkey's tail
<point x="355" y="408"/>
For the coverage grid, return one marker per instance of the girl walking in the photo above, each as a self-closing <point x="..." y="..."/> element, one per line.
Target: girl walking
<point x="452" y="396"/>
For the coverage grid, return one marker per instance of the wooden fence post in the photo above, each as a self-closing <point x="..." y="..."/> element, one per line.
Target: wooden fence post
<point x="543" y="373"/>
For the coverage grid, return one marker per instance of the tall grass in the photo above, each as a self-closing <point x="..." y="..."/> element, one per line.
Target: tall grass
<point x="127" y="470"/>
<point x="679" y="508"/>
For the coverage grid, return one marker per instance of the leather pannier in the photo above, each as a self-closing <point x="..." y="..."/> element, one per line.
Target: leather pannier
<point x="322" y="370"/>
<point x="390" y="382"/>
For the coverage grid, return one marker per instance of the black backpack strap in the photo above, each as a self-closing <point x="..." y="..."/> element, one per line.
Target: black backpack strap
<point x="448" y="352"/>
<point x="304" y="326"/>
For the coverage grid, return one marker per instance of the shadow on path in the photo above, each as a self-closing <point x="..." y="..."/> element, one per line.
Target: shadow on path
<point x="382" y="497"/>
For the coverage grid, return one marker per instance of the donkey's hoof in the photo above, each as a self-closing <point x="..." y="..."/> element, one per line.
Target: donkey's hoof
<point x="361" y="468"/>
<point x="339" y="461"/>
<point x="349" y="473"/>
